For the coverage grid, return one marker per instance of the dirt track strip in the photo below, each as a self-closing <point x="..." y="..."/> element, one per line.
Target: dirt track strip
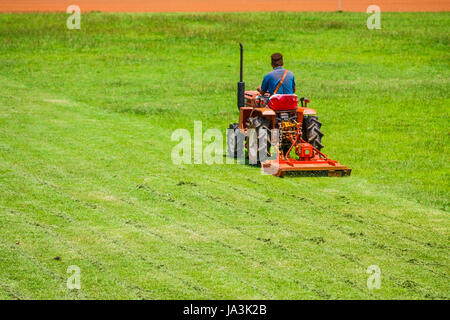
<point x="220" y="5"/>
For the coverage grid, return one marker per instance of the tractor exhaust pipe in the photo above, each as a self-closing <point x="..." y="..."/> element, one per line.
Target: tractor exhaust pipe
<point x="241" y="83"/>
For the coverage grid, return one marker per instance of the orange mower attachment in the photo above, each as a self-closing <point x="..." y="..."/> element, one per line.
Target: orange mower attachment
<point x="318" y="162"/>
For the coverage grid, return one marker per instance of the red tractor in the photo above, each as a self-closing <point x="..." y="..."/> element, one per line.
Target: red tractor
<point x="277" y="133"/>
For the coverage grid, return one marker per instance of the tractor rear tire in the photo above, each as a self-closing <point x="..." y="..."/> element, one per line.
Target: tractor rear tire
<point x="262" y="134"/>
<point x="232" y="142"/>
<point x="311" y="131"/>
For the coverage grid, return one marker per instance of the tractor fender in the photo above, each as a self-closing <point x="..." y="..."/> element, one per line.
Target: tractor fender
<point x="301" y="112"/>
<point x="247" y="112"/>
<point x="268" y="112"/>
<point x="309" y="111"/>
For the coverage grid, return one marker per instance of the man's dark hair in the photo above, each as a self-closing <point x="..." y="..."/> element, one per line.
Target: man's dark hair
<point x="277" y="59"/>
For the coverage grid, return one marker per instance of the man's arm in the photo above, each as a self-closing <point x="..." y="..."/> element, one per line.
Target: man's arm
<point x="265" y="86"/>
<point x="293" y="83"/>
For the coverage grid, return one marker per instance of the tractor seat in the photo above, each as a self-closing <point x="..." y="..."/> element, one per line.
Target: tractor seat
<point x="283" y="102"/>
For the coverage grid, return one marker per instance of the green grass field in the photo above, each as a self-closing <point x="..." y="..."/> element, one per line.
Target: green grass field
<point x="86" y="118"/>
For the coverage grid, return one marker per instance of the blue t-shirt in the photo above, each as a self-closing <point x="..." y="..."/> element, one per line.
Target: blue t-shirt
<point x="272" y="79"/>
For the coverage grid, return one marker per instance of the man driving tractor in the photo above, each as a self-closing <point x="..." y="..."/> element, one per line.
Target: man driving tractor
<point x="275" y="131"/>
<point x="280" y="80"/>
